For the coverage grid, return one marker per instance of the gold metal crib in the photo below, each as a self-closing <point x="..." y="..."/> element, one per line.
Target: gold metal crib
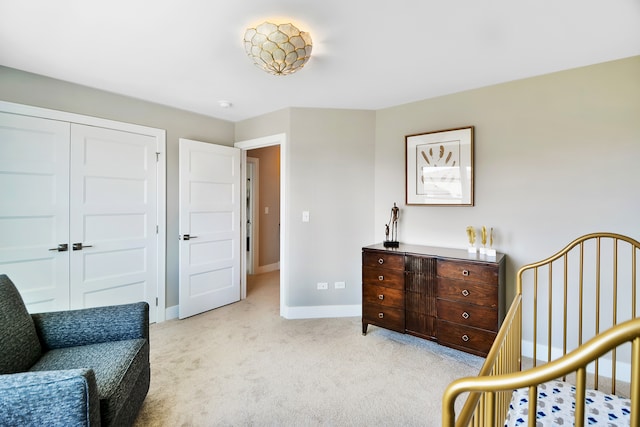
<point x="572" y="318"/>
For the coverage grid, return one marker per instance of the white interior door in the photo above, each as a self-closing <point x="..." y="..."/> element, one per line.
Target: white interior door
<point x="113" y="234"/>
<point x="210" y="245"/>
<point x="34" y="209"/>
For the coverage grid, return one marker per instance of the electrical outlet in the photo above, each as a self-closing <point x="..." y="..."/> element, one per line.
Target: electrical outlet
<point x="339" y="285"/>
<point x="323" y="286"/>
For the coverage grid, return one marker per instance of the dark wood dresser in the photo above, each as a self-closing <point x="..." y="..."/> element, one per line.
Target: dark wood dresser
<point x="445" y="295"/>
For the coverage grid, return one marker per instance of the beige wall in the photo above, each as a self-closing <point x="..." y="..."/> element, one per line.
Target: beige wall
<point x="330" y="174"/>
<point x="268" y="224"/>
<point x="556" y="156"/>
<point x="268" y="124"/>
<point x="31" y="89"/>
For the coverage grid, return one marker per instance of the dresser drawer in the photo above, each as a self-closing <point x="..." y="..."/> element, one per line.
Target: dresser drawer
<point x="379" y="295"/>
<point x="383" y="277"/>
<point x="468" y="271"/>
<point x="383" y="259"/>
<point x="468" y="292"/>
<point x="476" y="341"/>
<point x="386" y="317"/>
<point x="469" y="315"/>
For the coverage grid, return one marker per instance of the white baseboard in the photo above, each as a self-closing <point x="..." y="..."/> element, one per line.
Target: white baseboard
<point x="623" y="369"/>
<point x="321" y="311"/>
<point x="267" y="268"/>
<point x="304" y="312"/>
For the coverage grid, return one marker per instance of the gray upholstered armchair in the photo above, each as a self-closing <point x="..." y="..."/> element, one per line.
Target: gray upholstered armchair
<point x="79" y="367"/>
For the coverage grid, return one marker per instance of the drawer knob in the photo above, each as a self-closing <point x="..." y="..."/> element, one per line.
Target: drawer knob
<point x="381" y="278"/>
<point x="380" y="296"/>
<point x="380" y="315"/>
<point x="465" y="338"/>
<point x="380" y="261"/>
<point x="465" y="272"/>
<point x="465" y="315"/>
<point x="465" y="292"/>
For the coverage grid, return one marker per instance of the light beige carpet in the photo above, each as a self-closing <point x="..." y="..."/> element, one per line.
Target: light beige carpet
<point x="244" y="365"/>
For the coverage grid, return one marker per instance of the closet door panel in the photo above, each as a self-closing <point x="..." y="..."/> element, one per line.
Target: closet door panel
<point x="113" y="217"/>
<point x="34" y="209"/>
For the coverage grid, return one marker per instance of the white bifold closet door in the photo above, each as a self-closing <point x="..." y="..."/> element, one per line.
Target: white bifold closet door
<point x="113" y="217"/>
<point x="78" y="213"/>
<point x="34" y="209"/>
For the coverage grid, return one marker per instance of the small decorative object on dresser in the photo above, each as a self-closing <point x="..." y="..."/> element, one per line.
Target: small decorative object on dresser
<point x="471" y="234"/>
<point x="450" y="296"/>
<point x="483" y="249"/>
<point x="490" y="251"/>
<point x="392" y="227"/>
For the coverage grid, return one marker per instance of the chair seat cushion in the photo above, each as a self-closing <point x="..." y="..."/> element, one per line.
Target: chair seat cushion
<point x="117" y="366"/>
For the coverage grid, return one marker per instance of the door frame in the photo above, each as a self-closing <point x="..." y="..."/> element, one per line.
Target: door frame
<point x="254" y="225"/>
<point x="161" y="172"/>
<point x="267" y="141"/>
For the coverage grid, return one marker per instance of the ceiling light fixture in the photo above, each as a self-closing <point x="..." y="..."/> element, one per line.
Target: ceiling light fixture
<point x="278" y="49"/>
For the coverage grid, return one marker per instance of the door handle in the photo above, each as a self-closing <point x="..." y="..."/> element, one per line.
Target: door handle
<point x="187" y="237"/>
<point x="80" y="246"/>
<point x="62" y="247"/>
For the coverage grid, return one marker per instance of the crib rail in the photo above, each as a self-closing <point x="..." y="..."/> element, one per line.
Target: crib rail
<point x="503" y="358"/>
<point x="561" y="302"/>
<point x="579" y="288"/>
<point x="575" y="361"/>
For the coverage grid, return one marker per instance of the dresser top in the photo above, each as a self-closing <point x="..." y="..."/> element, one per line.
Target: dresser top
<point x="438" y="252"/>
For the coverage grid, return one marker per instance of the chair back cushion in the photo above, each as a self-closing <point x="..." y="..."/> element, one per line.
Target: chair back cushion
<point x="19" y="344"/>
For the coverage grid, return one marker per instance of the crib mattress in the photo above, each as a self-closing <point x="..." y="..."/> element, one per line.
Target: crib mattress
<point x="556" y="407"/>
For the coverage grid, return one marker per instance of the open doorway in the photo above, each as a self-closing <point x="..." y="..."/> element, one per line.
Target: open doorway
<point x="264" y="243"/>
<point x="264" y="190"/>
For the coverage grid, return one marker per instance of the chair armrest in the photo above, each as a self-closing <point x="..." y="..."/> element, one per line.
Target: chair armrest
<point x="72" y="328"/>
<point x="68" y="397"/>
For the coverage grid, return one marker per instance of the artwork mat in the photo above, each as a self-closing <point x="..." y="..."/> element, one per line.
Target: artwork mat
<point x="423" y="151"/>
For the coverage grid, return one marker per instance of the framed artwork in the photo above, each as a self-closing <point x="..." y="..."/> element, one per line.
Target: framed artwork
<point x="439" y="169"/>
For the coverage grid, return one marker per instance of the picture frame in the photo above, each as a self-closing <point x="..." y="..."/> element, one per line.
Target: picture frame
<point x="439" y="167"/>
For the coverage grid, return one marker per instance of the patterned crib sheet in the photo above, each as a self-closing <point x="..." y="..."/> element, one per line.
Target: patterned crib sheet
<point x="556" y="404"/>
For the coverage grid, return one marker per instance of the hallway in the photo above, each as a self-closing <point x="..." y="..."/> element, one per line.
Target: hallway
<point x="264" y="286"/>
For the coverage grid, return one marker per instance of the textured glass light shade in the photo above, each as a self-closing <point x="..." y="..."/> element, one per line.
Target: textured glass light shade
<point x="278" y="49"/>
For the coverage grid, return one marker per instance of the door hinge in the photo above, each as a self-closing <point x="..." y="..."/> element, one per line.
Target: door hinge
<point x="157" y="229"/>
<point x="156" y="301"/>
<point x="157" y="157"/>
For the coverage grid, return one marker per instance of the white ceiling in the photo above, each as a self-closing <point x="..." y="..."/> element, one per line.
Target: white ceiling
<point x="367" y="54"/>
